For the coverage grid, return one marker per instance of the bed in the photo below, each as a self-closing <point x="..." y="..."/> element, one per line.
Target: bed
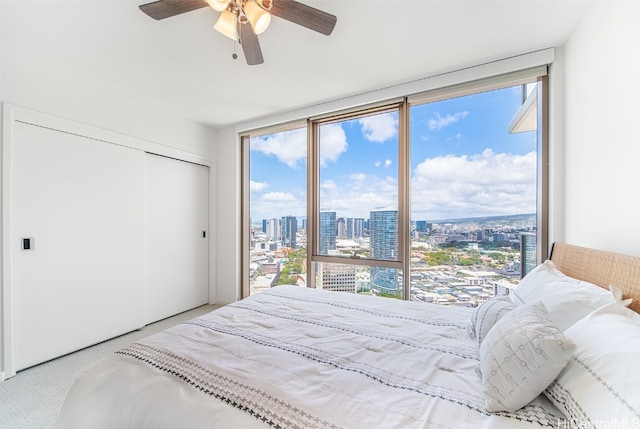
<point x="303" y="358"/>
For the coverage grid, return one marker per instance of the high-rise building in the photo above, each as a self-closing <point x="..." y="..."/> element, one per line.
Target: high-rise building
<point x="383" y="230"/>
<point x="528" y="252"/>
<point x="358" y="227"/>
<point x="342" y="228"/>
<point x="500" y="236"/>
<point x="421" y="225"/>
<point x="349" y="233"/>
<point x="289" y="227"/>
<point x="337" y="277"/>
<point x="273" y="229"/>
<point x="328" y="230"/>
<point x="487" y="234"/>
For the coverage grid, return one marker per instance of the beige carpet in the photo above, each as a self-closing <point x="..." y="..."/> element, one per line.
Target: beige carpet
<point x="33" y="398"/>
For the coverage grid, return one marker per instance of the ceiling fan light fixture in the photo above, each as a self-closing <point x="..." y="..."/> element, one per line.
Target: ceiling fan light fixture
<point x="234" y="14"/>
<point x="258" y="17"/>
<point x="219" y="5"/>
<point x="227" y="24"/>
<point x="265" y="4"/>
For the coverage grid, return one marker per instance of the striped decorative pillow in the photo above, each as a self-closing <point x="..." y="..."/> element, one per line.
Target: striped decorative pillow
<point x="487" y="314"/>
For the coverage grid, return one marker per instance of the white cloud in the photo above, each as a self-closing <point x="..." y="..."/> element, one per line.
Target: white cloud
<point x="258" y="186"/>
<point x="443" y="187"/>
<point x="440" y="121"/>
<point x="289" y="147"/>
<point x="278" y="204"/>
<point x="379" y="128"/>
<point x="386" y="163"/>
<point x="361" y="195"/>
<point x="278" y="196"/>
<point x="328" y="184"/>
<point x="456" y="138"/>
<point x="474" y="185"/>
<point x="333" y="142"/>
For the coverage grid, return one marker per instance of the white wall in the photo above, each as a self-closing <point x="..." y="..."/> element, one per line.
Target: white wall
<point x="40" y="86"/>
<point x="43" y="87"/>
<point x="602" y="112"/>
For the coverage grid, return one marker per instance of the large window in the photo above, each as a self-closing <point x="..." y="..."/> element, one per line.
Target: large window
<point x="355" y="200"/>
<point x="473" y="194"/>
<point x="277" y="201"/>
<point x="357" y="162"/>
<point x="426" y="198"/>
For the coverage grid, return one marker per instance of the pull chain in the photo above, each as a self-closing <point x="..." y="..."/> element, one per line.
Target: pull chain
<point x="235" y="45"/>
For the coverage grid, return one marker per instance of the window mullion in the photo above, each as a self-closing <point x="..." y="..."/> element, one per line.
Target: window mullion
<point x="542" y="197"/>
<point x="245" y="289"/>
<point x="404" y="202"/>
<point x="312" y="201"/>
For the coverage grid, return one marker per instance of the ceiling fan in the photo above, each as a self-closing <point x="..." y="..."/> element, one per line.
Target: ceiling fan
<point x="243" y="20"/>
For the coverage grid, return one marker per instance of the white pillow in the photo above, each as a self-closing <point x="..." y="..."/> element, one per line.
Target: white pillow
<point x="617" y="296"/>
<point x="601" y="383"/>
<point x="488" y="313"/>
<point x="567" y="299"/>
<point x="520" y="356"/>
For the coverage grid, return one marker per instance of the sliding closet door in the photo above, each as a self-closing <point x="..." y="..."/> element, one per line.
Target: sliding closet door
<point x="77" y="242"/>
<point x="177" y="236"/>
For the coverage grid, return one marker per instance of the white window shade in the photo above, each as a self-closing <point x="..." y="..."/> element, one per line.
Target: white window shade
<point x="523" y="68"/>
<point x="519" y="77"/>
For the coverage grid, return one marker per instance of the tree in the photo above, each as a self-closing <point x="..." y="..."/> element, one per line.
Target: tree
<point x="466" y="261"/>
<point x="440" y="258"/>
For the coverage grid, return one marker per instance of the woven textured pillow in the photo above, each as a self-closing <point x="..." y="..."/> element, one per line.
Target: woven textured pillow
<point x="521" y="355"/>
<point x="488" y="313"/>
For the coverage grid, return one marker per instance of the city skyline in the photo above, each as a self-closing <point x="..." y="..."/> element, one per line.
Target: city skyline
<point x="470" y="263"/>
<point x="476" y="220"/>
<point x="464" y="163"/>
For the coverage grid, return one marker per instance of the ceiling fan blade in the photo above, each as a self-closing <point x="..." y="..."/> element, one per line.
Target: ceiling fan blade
<point x="167" y="8"/>
<point x="306" y="16"/>
<point x="250" y="45"/>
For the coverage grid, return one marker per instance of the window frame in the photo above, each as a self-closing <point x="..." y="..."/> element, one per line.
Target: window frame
<point x="313" y="193"/>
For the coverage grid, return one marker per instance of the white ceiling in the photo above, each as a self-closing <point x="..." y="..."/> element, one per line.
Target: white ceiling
<point x="183" y="65"/>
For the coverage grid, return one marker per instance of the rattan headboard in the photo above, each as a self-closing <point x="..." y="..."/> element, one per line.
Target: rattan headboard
<point x="600" y="267"/>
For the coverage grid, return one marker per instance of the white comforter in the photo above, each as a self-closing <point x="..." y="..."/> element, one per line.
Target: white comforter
<point x="298" y="358"/>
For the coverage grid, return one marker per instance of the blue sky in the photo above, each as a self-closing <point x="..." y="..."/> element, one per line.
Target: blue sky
<point x="464" y="163"/>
